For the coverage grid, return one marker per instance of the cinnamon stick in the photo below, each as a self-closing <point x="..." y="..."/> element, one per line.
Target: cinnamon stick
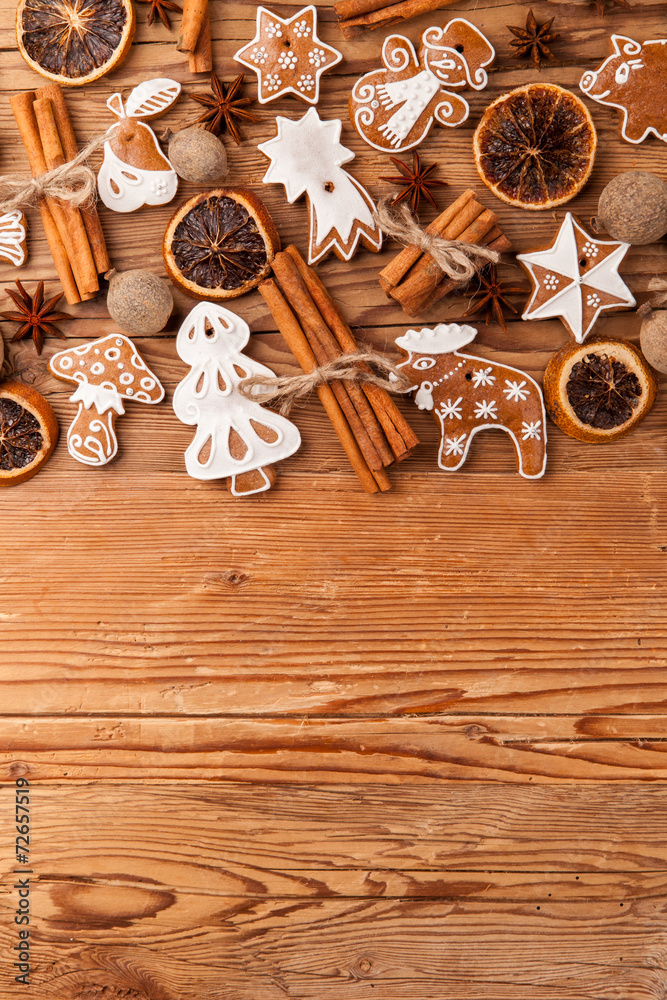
<point x="400" y="435"/>
<point x="91" y="219"/>
<point x="296" y="340"/>
<point x="494" y="240"/>
<point x="378" y="14"/>
<point x="194" y="12"/>
<point x="51" y="213"/>
<point x="324" y="346"/>
<point x="83" y="263"/>
<point x="201" y="57"/>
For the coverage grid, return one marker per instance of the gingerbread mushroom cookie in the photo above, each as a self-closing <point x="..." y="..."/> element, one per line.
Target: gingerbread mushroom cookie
<point x="287" y="55"/>
<point x="394" y="108"/>
<point x="576" y="278"/>
<point x="634" y="80"/>
<point x="106" y="371"/>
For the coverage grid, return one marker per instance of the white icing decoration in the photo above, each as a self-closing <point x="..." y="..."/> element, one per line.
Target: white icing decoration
<point x="306" y="158"/>
<point x="201" y="399"/>
<point x="102" y="397"/>
<point x="12" y="237"/>
<point x="301" y="80"/>
<point x="565" y="279"/>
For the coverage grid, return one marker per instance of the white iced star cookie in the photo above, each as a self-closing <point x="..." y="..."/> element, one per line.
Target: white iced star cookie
<point x="306" y="158"/>
<point x="576" y="278"/>
<point x="288" y="56"/>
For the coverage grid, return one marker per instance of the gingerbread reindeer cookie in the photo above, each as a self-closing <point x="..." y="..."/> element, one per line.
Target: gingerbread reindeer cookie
<point x="468" y="394"/>
<point x="395" y="108"/>
<point x="306" y="158"/>
<point x="634" y="80"/>
<point x="135" y="172"/>
<point x="107" y="371"/>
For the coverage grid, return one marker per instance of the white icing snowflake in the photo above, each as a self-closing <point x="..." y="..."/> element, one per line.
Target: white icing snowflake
<point x="301" y="29"/>
<point x="452" y="410"/>
<point x="593" y="300"/>
<point x="516" y="390"/>
<point x="532" y="430"/>
<point x="589" y="249"/>
<point x="317" y="57"/>
<point x="272" y="82"/>
<point x="305" y="82"/>
<point x="484" y="409"/>
<point x="287" y="60"/>
<point x="259" y="55"/>
<point x="159" y="188"/>
<point x="454" y="445"/>
<point x="483" y="377"/>
<point x="273" y="30"/>
<point x="551" y="282"/>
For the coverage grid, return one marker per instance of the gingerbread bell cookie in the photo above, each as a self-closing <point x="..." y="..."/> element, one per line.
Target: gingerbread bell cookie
<point x="467" y="394"/>
<point x="394" y="108"/>
<point x="576" y="278"/>
<point x="306" y="158"/>
<point x="633" y="79"/>
<point x="135" y="172"/>
<point x="107" y="371"/>
<point x="287" y="55"/>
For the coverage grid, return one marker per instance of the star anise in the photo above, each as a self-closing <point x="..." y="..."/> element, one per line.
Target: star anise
<point x="35" y="315"/>
<point x="601" y="5"/>
<point x="533" y="40"/>
<point x="224" y="108"/>
<point x="159" y="9"/>
<point x="493" y="299"/>
<point x="416" y="182"/>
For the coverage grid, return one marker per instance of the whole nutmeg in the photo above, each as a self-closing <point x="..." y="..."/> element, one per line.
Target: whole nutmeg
<point x="633" y="207"/>
<point x="139" y="301"/>
<point x="197" y="155"/>
<point x="653" y="336"/>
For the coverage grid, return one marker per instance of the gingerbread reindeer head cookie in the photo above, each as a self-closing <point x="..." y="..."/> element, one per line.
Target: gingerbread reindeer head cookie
<point x="135" y="172"/>
<point x="395" y="108"/>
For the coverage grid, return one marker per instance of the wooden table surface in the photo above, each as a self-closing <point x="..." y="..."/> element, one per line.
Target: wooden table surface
<point x="319" y="744"/>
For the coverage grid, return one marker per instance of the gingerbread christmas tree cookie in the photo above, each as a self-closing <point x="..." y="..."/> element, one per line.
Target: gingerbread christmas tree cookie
<point x="306" y="158"/>
<point x="13" y="237"/>
<point x="576" y="278"/>
<point x="287" y="55"/>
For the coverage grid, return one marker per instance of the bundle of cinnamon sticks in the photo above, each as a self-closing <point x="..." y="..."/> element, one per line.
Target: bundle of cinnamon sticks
<point x="74" y="235"/>
<point x="368" y="423"/>
<point x="195" y="36"/>
<point x="356" y="15"/>
<point x="414" y="279"/>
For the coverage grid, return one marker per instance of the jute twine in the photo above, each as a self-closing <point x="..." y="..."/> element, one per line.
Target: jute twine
<point x="286" y="389"/>
<point x="459" y="261"/>
<point x="73" y="183"/>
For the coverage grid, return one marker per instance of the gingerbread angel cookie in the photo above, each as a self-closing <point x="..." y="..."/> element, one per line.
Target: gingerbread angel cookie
<point x="395" y="108"/>
<point x="576" y="278"/>
<point x="287" y="55"/>
<point x="634" y="80"/>
<point x="306" y="157"/>
<point x="135" y="172"/>
<point x="13" y="237"/>
<point x="236" y="438"/>
<point x="468" y="394"/>
<point x="107" y="371"/>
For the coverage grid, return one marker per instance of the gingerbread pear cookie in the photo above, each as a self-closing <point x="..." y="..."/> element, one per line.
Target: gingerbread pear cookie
<point x="135" y="172"/>
<point x="576" y="278"/>
<point x="634" y="80"/>
<point x="107" y="371"/>
<point x="306" y="158"/>
<point x="468" y="394"/>
<point x="13" y="231"/>
<point x="395" y="108"/>
<point x="287" y="55"/>
<point x="236" y="437"/>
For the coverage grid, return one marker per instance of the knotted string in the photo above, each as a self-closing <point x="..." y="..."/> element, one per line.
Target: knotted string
<point x="74" y="182"/>
<point x="459" y="261"/>
<point x="286" y="389"/>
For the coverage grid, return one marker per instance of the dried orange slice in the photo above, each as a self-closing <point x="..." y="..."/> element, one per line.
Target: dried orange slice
<point x="74" y="41"/>
<point x="220" y="244"/>
<point x="28" y="432"/>
<point x="599" y="390"/>
<point x="535" y="146"/>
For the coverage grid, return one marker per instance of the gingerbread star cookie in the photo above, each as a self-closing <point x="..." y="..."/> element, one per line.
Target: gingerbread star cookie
<point x="576" y="278"/>
<point x="288" y="56"/>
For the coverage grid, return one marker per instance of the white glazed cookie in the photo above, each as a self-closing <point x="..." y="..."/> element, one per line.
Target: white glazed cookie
<point x="306" y="158"/>
<point x="107" y="371"/>
<point x="288" y="56"/>
<point x="576" y="278"/>
<point x="13" y="231"/>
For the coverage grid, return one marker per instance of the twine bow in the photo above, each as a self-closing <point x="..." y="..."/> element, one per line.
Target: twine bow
<point x="286" y="389"/>
<point x="74" y="182"/>
<point x="459" y="261"/>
